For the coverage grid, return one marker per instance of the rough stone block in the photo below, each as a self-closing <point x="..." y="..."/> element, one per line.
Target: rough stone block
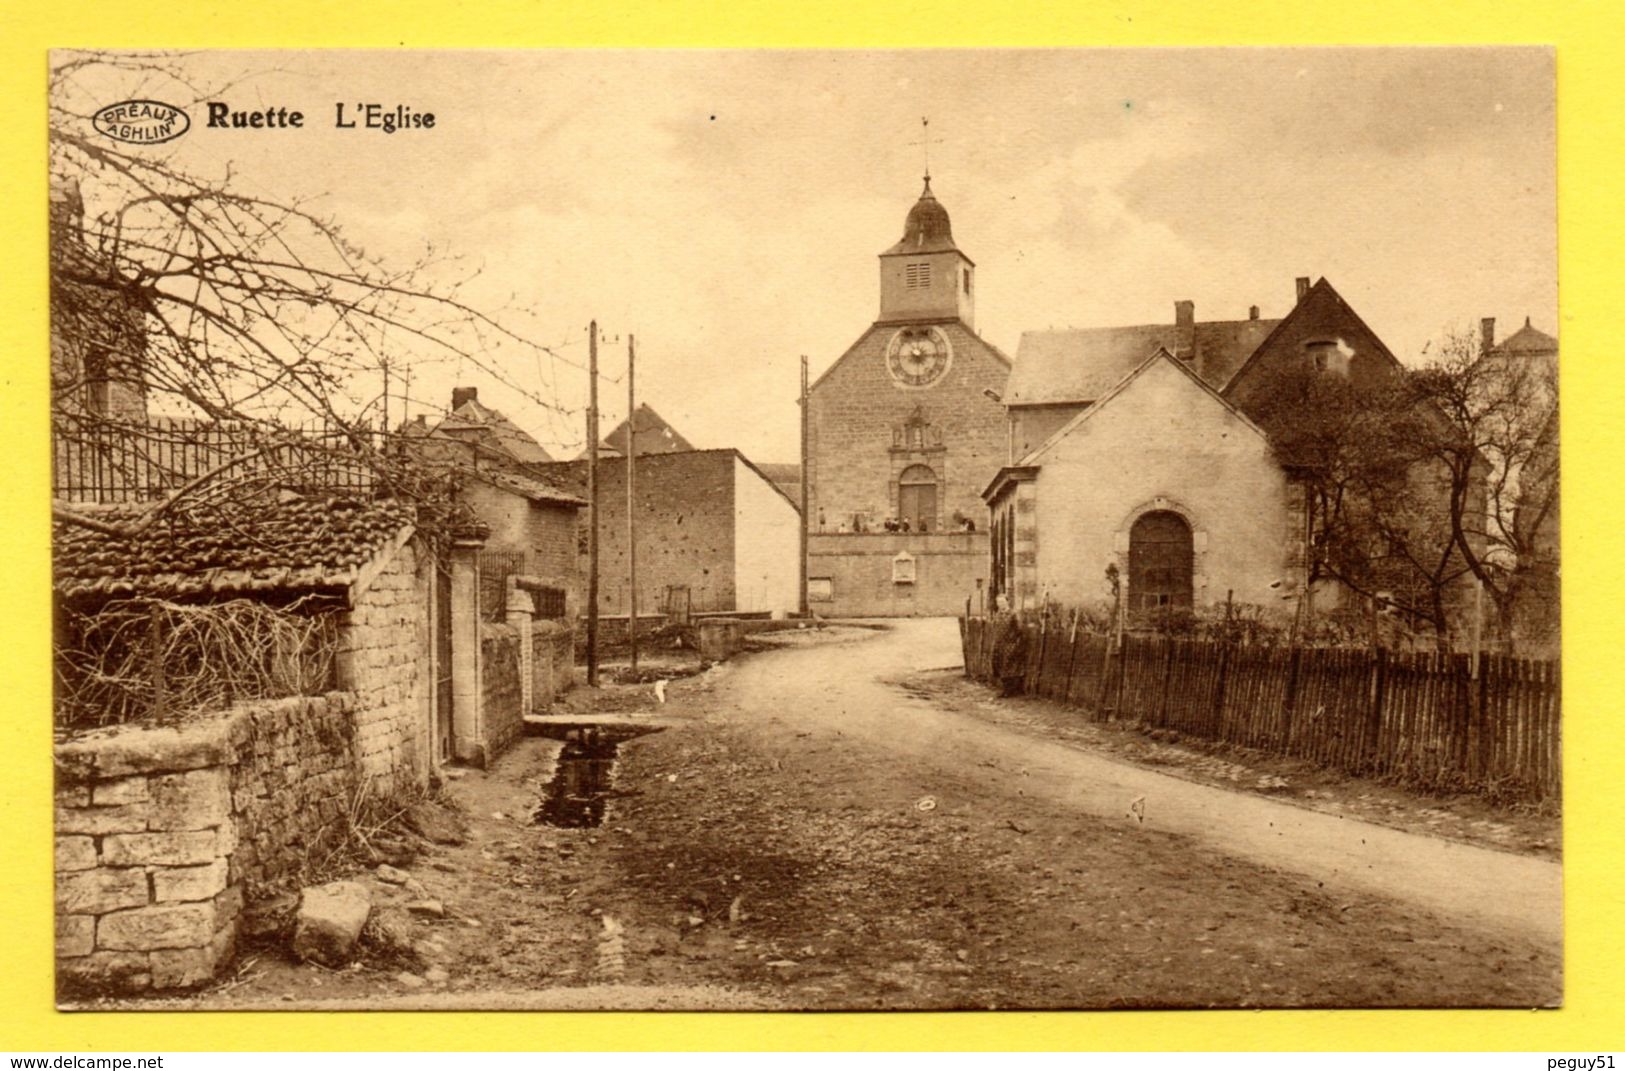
<point x="153" y="750"/>
<point x="329" y="922"/>
<point x="189" y="882"/>
<point x="123" y="790"/>
<point x="75" y="853"/>
<point x="75" y="935"/>
<point x="72" y="795"/>
<point x="182" y="968"/>
<point x="160" y="849"/>
<point x="197" y="799"/>
<point x="94" y="892"/>
<point x="118" y="972"/>
<point x="96" y="821"/>
<point x="160" y="926"/>
<point x="228" y="908"/>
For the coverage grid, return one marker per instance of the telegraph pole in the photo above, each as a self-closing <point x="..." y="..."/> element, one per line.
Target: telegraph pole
<point x="805" y="504"/>
<point x="592" y="500"/>
<point x="631" y="501"/>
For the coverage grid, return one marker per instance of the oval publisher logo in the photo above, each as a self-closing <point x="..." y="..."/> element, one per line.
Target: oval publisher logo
<point x="141" y="122"/>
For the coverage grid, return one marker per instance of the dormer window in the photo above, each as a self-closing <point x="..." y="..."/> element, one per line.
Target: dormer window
<point x="1328" y="355"/>
<point x="917" y="276"/>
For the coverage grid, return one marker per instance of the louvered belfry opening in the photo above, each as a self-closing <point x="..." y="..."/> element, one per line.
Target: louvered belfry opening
<point x="1160" y="563"/>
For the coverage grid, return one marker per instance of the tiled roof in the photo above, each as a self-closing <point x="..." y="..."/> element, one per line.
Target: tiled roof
<point x="786" y="477"/>
<point x="472" y="416"/>
<point x="297" y="545"/>
<point x="1081" y="364"/>
<point x="529" y="486"/>
<point x="1528" y="339"/>
<point x="654" y="435"/>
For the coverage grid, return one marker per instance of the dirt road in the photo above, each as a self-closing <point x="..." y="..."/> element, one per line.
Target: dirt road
<point x="844" y="690"/>
<point x="803" y="832"/>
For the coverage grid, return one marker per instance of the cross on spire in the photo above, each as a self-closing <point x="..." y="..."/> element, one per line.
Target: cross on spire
<point x="925" y="143"/>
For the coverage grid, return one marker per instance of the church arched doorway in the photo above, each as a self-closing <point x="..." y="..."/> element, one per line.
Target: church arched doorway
<point x="917" y="498"/>
<point x="1161" y="564"/>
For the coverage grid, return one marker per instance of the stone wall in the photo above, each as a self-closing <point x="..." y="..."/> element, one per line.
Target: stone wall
<point x="384" y="660"/>
<point x="552" y="663"/>
<point x="501" y="686"/>
<point x="545" y="532"/>
<point x="161" y="834"/>
<point x="685" y="527"/>
<point x="861" y="574"/>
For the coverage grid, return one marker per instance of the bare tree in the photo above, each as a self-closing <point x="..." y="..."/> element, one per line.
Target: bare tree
<point x="1499" y="449"/>
<point x="1377" y="518"/>
<point x="183" y="304"/>
<point x="1421" y="484"/>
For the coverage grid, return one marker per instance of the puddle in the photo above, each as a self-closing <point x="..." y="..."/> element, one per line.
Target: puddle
<point x="581" y="785"/>
<point x="584" y="780"/>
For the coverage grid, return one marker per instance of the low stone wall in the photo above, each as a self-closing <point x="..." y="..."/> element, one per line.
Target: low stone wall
<point x="502" y="687"/>
<point x="720" y="638"/>
<point x="553" y="669"/>
<point x="160" y="832"/>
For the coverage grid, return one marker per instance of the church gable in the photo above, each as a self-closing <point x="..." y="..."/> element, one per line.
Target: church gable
<point x="1161" y="448"/>
<point x="1161" y="406"/>
<point x="1321" y="335"/>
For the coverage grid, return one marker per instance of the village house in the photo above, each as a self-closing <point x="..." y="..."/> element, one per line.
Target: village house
<point x="904" y="430"/>
<point x="1147" y="451"/>
<point x="531" y="522"/>
<point x="1525" y="365"/>
<point x="714" y="533"/>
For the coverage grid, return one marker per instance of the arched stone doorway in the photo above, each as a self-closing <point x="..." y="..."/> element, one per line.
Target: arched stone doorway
<point x="917" y="498"/>
<point x="1161" y="563"/>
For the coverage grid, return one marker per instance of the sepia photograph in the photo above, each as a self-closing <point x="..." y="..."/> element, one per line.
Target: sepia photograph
<point x="805" y="530"/>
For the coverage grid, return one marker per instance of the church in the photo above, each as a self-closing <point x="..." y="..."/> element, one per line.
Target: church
<point x="1151" y="454"/>
<point x="903" y="433"/>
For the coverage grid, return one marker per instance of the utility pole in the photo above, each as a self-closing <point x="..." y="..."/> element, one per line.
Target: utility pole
<point x="805" y="504"/>
<point x="631" y="500"/>
<point x="592" y="500"/>
<point x="385" y="363"/>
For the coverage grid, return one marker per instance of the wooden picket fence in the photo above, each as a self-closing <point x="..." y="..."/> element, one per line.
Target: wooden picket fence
<point x="1421" y="717"/>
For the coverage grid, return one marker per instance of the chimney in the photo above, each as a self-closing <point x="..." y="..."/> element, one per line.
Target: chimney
<point x="1252" y="312"/>
<point x="1486" y="334"/>
<point x="459" y="395"/>
<point x="1184" y="313"/>
<point x="1303" y="286"/>
<point x="67" y="208"/>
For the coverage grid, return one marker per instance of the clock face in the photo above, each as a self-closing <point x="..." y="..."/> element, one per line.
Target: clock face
<point x="917" y="356"/>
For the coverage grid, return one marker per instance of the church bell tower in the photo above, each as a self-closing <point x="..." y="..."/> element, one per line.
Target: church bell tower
<point x="925" y="277"/>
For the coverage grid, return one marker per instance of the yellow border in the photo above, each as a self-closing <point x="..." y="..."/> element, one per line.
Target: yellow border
<point x="1591" y="89"/>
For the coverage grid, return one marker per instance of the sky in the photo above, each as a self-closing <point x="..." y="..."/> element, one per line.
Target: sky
<point x="727" y="207"/>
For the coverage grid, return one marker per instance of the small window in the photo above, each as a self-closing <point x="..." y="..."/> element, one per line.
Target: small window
<point x="98" y="381"/>
<point x="967" y="282"/>
<point x="917" y="276"/>
<point x="820" y="589"/>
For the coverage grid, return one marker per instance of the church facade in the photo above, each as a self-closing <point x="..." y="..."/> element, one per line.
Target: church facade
<point x="904" y="431"/>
